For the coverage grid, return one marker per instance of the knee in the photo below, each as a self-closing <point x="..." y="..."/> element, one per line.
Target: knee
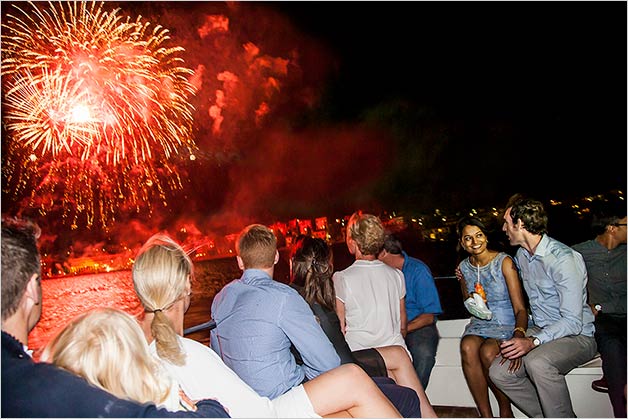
<point x="468" y="350"/>
<point x="399" y="352"/>
<point x="488" y="353"/>
<point x="353" y="370"/>
<point x="497" y="373"/>
<point x="422" y="351"/>
<point x="538" y="365"/>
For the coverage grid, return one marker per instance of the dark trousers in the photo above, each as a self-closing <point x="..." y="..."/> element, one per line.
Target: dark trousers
<point x="403" y="398"/>
<point x="610" y="335"/>
<point x="422" y="344"/>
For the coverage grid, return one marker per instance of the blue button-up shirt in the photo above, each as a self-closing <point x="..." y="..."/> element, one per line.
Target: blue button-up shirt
<point x="555" y="279"/>
<point x="257" y="320"/>
<point x="421" y="293"/>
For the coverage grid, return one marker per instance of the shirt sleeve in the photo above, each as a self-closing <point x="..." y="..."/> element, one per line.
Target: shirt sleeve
<point x="569" y="275"/>
<point x="402" y="284"/>
<point x="339" y="286"/>
<point x="423" y="294"/>
<point x="299" y="324"/>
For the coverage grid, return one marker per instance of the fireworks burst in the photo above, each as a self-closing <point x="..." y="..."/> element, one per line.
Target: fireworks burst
<point x="96" y="109"/>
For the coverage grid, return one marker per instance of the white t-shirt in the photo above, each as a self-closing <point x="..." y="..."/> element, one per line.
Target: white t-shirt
<point x="371" y="292"/>
<point x="206" y="376"/>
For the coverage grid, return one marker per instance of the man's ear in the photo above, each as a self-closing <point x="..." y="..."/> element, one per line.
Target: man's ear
<point x="276" y="256"/>
<point x="32" y="290"/>
<point x="240" y="263"/>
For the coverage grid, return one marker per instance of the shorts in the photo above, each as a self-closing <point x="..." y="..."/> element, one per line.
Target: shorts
<point x="295" y="404"/>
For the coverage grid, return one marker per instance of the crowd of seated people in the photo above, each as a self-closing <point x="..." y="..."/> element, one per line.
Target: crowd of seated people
<point x="329" y="344"/>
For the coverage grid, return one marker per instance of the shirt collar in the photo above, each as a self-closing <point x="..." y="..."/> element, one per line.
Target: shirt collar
<point x="541" y="249"/>
<point x="252" y="275"/>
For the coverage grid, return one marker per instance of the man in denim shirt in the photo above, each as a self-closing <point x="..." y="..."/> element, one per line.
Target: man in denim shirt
<point x="561" y="335"/>
<point x="256" y="311"/>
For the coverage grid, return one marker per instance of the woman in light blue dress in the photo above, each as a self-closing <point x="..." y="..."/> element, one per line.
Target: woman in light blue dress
<point x="494" y="276"/>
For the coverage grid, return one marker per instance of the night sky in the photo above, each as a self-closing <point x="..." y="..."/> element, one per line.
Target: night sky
<point x="396" y="105"/>
<point x="525" y="96"/>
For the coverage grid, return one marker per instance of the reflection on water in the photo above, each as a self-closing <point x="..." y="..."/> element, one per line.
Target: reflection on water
<point x="66" y="297"/>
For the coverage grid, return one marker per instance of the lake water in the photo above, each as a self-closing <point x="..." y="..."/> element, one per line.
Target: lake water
<point x="66" y="297"/>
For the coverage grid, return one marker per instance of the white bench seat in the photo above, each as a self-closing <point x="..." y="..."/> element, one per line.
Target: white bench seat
<point x="448" y="387"/>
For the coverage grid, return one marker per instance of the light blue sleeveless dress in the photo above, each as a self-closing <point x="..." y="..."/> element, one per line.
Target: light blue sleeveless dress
<point x="502" y="324"/>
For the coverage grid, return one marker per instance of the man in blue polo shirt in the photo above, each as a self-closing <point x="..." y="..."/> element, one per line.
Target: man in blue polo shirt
<point x="422" y="306"/>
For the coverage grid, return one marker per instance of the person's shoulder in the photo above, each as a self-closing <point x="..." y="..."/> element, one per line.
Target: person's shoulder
<point x="558" y="252"/>
<point x="419" y="264"/>
<point x="228" y="285"/>
<point x="195" y="350"/>
<point x="280" y="290"/>
<point x="190" y="343"/>
<point x="558" y="248"/>
<point x="583" y="246"/>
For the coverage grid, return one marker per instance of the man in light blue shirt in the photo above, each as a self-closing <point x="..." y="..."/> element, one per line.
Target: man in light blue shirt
<point x="422" y="306"/>
<point x="257" y="320"/>
<point x="561" y="335"/>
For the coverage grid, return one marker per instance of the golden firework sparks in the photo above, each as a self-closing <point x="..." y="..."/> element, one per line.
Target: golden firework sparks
<point x="96" y="107"/>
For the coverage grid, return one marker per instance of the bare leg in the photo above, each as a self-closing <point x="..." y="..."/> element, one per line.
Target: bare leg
<point x="474" y="373"/>
<point x="342" y="414"/>
<point x="401" y="369"/>
<point x="348" y="388"/>
<point x="488" y="352"/>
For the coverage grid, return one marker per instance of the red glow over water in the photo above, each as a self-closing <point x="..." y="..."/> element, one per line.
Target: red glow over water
<point x="67" y="297"/>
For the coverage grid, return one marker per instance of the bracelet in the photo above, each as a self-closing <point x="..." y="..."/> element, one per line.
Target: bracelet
<point x="520" y="329"/>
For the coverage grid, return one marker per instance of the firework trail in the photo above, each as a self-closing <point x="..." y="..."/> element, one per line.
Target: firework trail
<point x="96" y="110"/>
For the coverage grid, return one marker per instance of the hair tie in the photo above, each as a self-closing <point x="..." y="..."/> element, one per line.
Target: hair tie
<point x="155" y="311"/>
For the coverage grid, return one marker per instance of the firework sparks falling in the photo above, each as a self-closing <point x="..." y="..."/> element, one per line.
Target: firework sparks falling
<point x="96" y="109"/>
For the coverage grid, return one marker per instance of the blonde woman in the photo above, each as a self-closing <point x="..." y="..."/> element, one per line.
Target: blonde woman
<point x="161" y="276"/>
<point x="107" y="347"/>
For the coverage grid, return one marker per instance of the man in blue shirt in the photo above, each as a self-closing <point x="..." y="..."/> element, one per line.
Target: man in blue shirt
<point x="422" y="306"/>
<point x="257" y="312"/>
<point x="560" y="337"/>
<point x="32" y="389"/>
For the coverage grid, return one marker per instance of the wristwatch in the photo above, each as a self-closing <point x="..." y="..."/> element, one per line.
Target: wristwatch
<point x="535" y="341"/>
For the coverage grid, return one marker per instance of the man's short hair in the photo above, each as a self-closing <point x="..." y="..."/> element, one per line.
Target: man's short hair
<point x="257" y="246"/>
<point x="606" y="213"/>
<point x="367" y="231"/>
<point x="20" y="260"/>
<point x="392" y="244"/>
<point x="532" y="213"/>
